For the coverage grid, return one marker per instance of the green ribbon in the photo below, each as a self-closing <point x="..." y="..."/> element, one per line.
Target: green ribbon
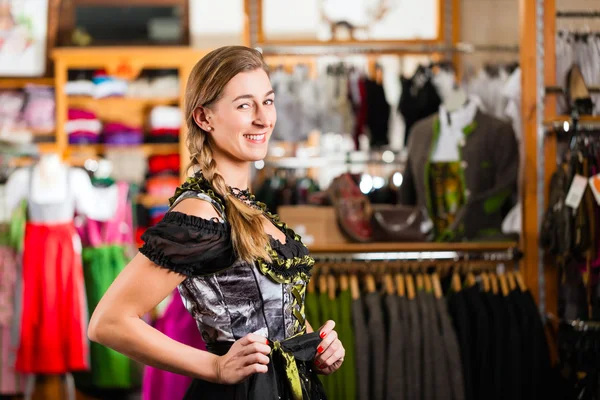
<point x="291" y="370"/>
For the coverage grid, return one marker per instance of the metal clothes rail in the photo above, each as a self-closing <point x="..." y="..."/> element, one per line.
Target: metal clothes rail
<point x="357" y="48"/>
<point x="578" y="14"/>
<point x="511" y="254"/>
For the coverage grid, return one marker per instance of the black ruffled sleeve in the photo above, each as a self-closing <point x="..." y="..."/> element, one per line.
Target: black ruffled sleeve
<point x="189" y="245"/>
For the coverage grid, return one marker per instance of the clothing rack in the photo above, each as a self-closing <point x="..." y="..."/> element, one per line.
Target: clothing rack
<point x="327" y="49"/>
<point x="511" y="254"/>
<point x="578" y="14"/>
<point x="583" y="326"/>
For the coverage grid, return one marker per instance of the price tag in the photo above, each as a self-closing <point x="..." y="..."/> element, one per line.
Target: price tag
<point x="594" y="182"/>
<point x="576" y="191"/>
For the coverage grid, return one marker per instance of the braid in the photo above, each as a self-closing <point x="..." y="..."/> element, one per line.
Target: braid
<point x="242" y="218"/>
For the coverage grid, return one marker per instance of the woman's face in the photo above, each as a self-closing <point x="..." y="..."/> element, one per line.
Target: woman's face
<point x="242" y="120"/>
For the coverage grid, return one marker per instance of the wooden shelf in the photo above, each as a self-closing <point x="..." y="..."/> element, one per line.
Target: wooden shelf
<point x="19" y="83"/>
<point x="149" y="149"/>
<point x="427" y="246"/>
<point x="89" y="102"/>
<point x="567" y="118"/>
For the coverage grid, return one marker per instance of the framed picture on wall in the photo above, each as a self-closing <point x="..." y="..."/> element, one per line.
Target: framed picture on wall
<point x="349" y="21"/>
<point x="23" y="37"/>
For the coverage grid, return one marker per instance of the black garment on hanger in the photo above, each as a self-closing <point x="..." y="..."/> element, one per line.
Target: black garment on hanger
<point x="457" y="306"/>
<point x="417" y="101"/>
<point x="377" y="346"/>
<point x="378" y="113"/>
<point x="394" y="386"/>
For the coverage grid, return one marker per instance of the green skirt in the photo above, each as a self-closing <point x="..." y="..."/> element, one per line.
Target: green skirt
<point x="109" y="369"/>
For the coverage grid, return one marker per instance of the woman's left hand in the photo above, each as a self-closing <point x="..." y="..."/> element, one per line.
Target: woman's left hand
<point x="331" y="352"/>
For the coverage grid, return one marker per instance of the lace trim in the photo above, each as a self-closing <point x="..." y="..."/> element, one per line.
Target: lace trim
<point x="281" y="270"/>
<point x="186" y="220"/>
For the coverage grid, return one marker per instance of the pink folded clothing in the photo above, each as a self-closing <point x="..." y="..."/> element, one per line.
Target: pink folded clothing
<point x="78" y="113"/>
<point x="117" y="127"/>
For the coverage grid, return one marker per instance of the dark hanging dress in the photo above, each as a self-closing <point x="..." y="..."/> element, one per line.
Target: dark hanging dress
<point x="230" y="298"/>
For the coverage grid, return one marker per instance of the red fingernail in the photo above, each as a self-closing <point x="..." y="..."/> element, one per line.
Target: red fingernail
<point x="323" y="334"/>
<point x="317" y="363"/>
<point x="320" y="349"/>
<point x="267" y="341"/>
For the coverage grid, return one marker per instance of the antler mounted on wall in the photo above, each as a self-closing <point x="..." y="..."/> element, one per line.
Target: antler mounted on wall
<point x="374" y="14"/>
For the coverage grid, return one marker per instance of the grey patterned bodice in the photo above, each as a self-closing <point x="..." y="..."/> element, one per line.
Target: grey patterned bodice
<point x="230" y="301"/>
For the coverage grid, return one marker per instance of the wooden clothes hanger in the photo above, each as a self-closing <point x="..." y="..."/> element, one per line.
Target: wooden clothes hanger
<point x="503" y="285"/>
<point x="331" y="287"/>
<point x="354" y="286"/>
<point x="400" y="284"/>
<point x="512" y="283"/>
<point x="470" y="278"/>
<point x="437" y="285"/>
<point x="322" y="283"/>
<point x="456" y="285"/>
<point x="344" y="285"/>
<point x="485" y="280"/>
<point x="389" y="284"/>
<point x="427" y="283"/>
<point x="370" y="282"/>
<point x="520" y="281"/>
<point x="410" y="286"/>
<point x="494" y="282"/>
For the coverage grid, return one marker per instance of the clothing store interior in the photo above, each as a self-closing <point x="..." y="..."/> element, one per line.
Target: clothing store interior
<point x="440" y="160"/>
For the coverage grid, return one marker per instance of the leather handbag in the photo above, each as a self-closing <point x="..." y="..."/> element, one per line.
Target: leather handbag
<point x="397" y="223"/>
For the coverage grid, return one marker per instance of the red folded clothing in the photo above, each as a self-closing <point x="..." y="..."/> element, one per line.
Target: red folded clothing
<point x="164" y="131"/>
<point x="162" y="185"/>
<point x="163" y="163"/>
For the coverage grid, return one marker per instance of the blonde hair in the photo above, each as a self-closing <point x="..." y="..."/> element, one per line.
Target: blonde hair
<point x="205" y="86"/>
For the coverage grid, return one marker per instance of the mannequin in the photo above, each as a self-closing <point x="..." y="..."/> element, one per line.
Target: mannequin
<point x="52" y="277"/>
<point x="51" y="181"/>
<point x="462" y="166"/>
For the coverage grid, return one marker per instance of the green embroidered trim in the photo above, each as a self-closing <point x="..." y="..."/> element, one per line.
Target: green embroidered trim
<point x="197" y="183"/>
<point x="467" y="130"/>
<point x="286" y="270"/>
<point x="493" y="204"/>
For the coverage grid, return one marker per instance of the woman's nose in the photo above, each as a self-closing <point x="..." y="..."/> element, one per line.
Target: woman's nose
<point x="264" y="117"/>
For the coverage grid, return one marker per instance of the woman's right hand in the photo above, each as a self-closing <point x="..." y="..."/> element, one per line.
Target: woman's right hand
<point x="247" y="356"/>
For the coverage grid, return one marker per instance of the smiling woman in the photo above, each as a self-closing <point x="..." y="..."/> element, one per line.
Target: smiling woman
<point x="241" y="272"/>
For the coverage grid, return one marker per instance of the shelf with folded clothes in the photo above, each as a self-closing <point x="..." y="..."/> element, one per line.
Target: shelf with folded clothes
<point x="114" y="123"/>
<point x="27" y="114"/>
